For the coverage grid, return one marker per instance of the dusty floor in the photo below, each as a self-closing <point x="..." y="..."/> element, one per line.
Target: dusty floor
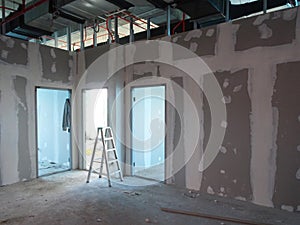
<point x="155" y="172"/>
<point x="67" y="200"/>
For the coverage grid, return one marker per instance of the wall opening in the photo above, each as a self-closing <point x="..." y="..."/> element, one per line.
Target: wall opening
<point x="53" y="130"/>
<point x="95" y="103"/>
<point x="148" y="132"/>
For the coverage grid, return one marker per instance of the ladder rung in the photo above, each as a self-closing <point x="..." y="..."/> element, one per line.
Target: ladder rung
<point x="108" y="138"/>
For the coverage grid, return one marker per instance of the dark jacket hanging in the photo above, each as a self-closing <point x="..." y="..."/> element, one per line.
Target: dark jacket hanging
<point x="66" y="124"/>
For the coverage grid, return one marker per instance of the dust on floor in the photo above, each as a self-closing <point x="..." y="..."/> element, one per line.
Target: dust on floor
<point x="66" y="199"/>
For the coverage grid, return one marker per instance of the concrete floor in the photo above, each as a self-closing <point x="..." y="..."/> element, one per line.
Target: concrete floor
<point x="156" y="172"/>
<point x="66" y="199"/>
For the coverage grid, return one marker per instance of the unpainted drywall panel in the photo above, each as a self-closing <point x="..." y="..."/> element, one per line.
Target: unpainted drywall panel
<point x="178" y="129"/>
<point x="194" y="152"/>
<point x="93" y="53"/>
<point x="0" y="132"/>
<point x="56" y="65"/>
<point x="13" y="51"/>
<point x="266" y="30"/>
<point x="263" y="149"/>
<point x="202" y="42"/>
<point x="9" y="132"/>
<point x="286" y="101"/>
<point x="229" y="174"/>
<point x="21" y="68"/>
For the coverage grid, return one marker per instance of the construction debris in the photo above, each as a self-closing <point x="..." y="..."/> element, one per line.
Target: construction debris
<point x="192" y="194"/>
<point x="132" y="193"/>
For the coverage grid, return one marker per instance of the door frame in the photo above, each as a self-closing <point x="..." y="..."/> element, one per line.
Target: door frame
<point x="83" y="115"/>
<point x="36" y="129"/>
<point x="131" y="124"/>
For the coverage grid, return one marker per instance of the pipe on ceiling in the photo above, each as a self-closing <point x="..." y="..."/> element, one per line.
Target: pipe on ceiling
<point x="136" y="18"/>
<point x="182" y="22"/>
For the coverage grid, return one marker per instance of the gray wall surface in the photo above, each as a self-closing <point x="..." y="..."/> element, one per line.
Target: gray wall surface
<point x="255" y="62"/>
<point x="23" y="67"/>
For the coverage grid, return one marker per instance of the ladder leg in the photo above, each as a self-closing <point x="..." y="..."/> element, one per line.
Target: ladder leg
<point x="115" y="155"/>
<point x="107" y="169"/>
<point x="120" y="173"/>
<point x="103" y="138"/>
<point x="108" y="146"/>
<point x="101" y="165"/>
<point x="92" y="160"/>
<point x="118" y="167"/>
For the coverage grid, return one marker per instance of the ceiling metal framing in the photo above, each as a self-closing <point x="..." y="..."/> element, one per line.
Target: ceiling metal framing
<point x="49" y="20"/>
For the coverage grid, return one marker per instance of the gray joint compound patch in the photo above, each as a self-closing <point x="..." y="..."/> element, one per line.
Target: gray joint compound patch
<point x="11" y="52"/>
<point x="202" y="42"/>
<point x="24" y="162"/>
<point x="285" y="99"/>
<point x="267" y="30"/>
<point x="55" y="64"/>
<point x="226" y="176"/>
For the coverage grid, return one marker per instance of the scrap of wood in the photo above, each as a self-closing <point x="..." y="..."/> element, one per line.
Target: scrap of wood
<point x="212" y="217"/>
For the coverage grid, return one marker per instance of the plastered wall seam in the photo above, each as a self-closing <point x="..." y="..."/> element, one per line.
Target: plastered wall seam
<point x="9" y="157"/>
<point x="24" y="160"/>
<point x="262" y="176"/>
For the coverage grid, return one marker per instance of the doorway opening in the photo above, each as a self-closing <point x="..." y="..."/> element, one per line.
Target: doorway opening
<point x="53" y="130"/>
<point x="148" y="132"/>
<point x="95" y="103"/>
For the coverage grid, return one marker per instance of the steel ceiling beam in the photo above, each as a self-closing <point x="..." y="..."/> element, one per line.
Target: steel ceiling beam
<point x="158" y="3"/>
<point x="121" y="3"/>
<point x="23" y="11"/>
<point x="70" y="16"/>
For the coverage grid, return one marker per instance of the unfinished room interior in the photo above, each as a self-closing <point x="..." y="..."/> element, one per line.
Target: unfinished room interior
<point x="149" y="112"/>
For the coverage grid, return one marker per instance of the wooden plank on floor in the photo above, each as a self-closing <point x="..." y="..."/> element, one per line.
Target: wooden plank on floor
<point x="211" y="217"/>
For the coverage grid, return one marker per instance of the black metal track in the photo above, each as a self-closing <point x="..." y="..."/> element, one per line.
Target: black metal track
<point x="197" y="8"/>
<point x="70" y="16"/>
<point x="121" y="3"/>
<point x="158" y="3"/>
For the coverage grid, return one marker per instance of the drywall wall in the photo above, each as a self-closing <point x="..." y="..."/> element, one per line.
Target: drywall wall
<point x="252" y="161"/>
<point x="250" y="59"/>
<point x="0" y="128"/>
<point x="23" y="66"/>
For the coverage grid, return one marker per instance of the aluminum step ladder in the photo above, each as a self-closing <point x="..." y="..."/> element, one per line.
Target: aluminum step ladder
<point x="109" y="155"/>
